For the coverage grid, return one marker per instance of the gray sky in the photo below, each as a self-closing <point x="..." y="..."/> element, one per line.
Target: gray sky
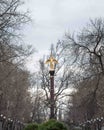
<point x="52" y="18"/>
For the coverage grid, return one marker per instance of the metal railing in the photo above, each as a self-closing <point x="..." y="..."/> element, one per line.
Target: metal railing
<point x="10" y="124"/>
<point x="93" y="124"/>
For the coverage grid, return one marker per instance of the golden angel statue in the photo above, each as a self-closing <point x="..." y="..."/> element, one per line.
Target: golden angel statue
<point x="51" y="61"/>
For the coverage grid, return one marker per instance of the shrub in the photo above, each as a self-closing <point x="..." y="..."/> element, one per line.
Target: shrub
<point x="32" y="126"/>
<point x="49" y="125"/>
<point x="52" y="125"/>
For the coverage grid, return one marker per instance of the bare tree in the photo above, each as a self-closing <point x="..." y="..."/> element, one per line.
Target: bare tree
<point x="62" y="76"/>
<point x="11" y="21"/>
<point x="14" y="79"/>
<point x="85" y="51"/>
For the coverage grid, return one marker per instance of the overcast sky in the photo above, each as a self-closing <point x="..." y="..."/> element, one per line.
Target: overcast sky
<point x="52" y="18"/>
